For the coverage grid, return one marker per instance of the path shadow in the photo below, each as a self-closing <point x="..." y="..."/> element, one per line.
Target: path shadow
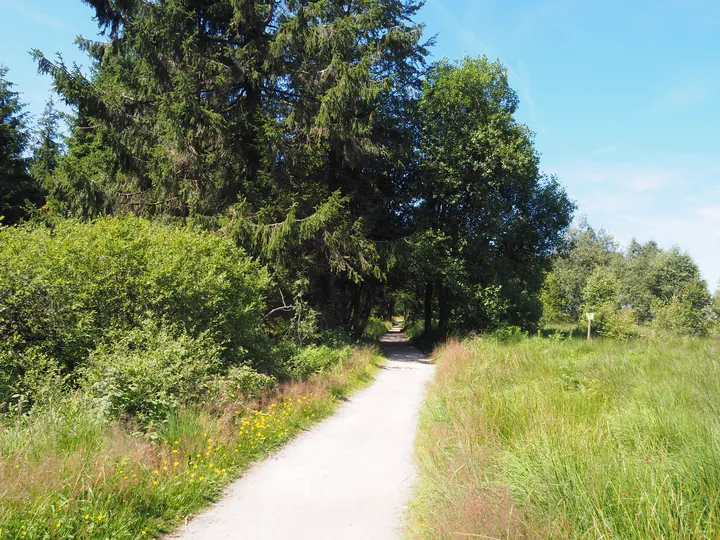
<point x="396" y="346"/>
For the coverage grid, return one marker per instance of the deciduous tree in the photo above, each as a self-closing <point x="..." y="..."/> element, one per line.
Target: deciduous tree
<point x="481" y="190"/>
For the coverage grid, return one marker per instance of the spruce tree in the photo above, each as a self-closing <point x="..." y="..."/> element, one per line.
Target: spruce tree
<point x="47" y="146"/>
<point x="17" y="188"/>
<point x="271" y="115"/>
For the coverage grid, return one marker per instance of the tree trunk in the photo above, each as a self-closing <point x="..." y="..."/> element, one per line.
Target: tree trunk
<point x="428" y="306"/>
<point x="357" y="293"/>
<point x="365" y="308"/>
<point x="444" y="298"/>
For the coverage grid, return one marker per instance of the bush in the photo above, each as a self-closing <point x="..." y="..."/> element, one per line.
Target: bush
<point x="679" y="317"/>
<point x="602" y="289"/>
<point x="508" y="334"/>
<point x="245" y="381"/>
<point x="375" y="328"/>
<point x="147" y="372"/>
<point x="335" y="338"/>
<point x="621" y="324"/>
<point x="613" y="322"/>
<point x="26" y="377"/>
<point x="316" y="359"/>
<point x="63" y="289"/>
<point x="413" y="330"/>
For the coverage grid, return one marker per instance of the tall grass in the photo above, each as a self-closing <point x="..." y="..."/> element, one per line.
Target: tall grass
<point x="565" y="439"/>
<point x="68" y="472"/>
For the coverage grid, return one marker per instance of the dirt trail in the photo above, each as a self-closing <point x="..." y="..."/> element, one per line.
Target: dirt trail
<point x="347" y="478"/>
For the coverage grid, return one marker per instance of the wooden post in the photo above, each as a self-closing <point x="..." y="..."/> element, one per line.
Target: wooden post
<point x="590" y="318"/>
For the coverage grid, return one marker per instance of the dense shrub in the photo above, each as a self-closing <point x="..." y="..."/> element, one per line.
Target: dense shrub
<point x="413" y="329"/>
<point x="148" y="371"/>
<point x="602" y="296"/>
<point x="680" y="317"/>
<point x="69" y="289"/>
<point x="612" y="321"/>
<point x="508" y="334"/>
<point x="335" y="338"/>
<point x="315" y="359"/>
<point x="26" y="377"/>
<point x="244" y="381"/>
<point x="62" y="289"/>
<point x="375" y="328"/>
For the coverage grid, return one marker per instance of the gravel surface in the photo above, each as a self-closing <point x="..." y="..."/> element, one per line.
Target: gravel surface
<point x="349" y="477"/>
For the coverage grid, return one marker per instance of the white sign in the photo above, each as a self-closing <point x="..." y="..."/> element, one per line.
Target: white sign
<point x="590" y="316"/>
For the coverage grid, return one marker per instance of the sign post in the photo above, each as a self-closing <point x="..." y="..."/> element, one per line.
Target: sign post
<point x="590" y="319"/>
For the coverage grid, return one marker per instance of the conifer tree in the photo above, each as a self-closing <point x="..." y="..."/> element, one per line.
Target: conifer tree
<point x="47" y="146"/>
<point x="17" y="188"/>
<point x="272" y="115"/>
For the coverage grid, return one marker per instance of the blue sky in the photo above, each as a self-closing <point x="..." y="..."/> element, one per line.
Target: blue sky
<point x="624" y="98"/>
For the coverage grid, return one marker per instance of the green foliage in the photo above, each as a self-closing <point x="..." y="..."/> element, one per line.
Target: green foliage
<point x="681" y="302"/>
<point x="508" y="334"/>
<point x="582" y="252"/>
<point x="315" y="359"/>
<point x="715" y="308"/>
<point x="678" y="316"/>
<point x="613" y="322"/>
<point x="645" y="285"/>
<point x="413" y="330"/>
<point x="17" y="188"/>
<point x="283" y="122"/>
<point x="147" y="372"/>
<point x="69" y="464"/>
<point x="602" y="296"/>
<point x="640" y="277"/>
<point x="375" y="329"/>
<point x="48" y="146"/>
<point x="64" y="289"/>
<point x="602" y="288"/>
<point x="244" y="381"/>
<point x="553" y="299"/>
<point x="487" y="218"/>
<point x="27" y="377"/>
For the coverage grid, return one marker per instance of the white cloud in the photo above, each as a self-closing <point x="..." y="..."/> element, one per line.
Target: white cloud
<point x="624" y="175"/>
<point x="672" y="204"/>
<point x="697" y="234"/>
<point x="683" y="97"/>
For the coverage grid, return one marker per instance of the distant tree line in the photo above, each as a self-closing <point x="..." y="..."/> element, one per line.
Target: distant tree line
<point x="640" y="285"/>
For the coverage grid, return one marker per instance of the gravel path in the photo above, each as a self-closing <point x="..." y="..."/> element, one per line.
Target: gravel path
<point x="347" y="478"/>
